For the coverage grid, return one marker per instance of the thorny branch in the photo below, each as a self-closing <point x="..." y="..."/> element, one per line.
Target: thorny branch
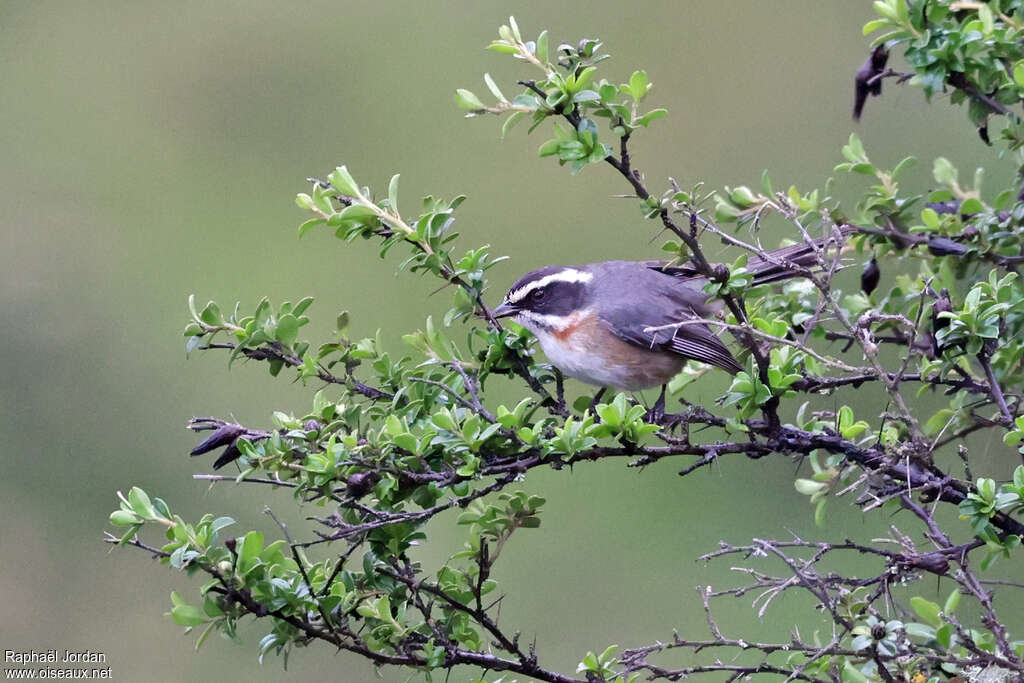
<point x="888" y="474"/>
<point x="870" y="605"/>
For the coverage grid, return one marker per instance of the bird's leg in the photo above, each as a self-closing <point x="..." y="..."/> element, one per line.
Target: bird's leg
<point x="592" y="409"/>
<point x="559" y="390"/>
<point x="657" y="412"/>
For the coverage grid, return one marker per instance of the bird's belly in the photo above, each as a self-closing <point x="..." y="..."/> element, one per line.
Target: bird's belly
<point x="611" y="363"/>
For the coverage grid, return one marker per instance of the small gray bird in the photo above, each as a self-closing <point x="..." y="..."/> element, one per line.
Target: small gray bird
<point x="616" y="323"/>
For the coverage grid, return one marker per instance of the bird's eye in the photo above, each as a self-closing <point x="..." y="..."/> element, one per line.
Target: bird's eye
<point x="537" y="295"/>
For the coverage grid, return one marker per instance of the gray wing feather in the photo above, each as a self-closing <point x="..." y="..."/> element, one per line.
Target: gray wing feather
<point x="709" y="349"/>
<point x="663" y="302"/>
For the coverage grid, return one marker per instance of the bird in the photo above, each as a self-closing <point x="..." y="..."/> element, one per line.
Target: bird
<point x="632" y="325"/>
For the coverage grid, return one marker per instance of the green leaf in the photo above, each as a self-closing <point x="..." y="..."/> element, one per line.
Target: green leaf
<point x="944" y="635"/>
<point x="493" y="87"/>
<point x="140" y="503"/>
<point x="211" y="315"/>
<point x="586" y="96"/>
<point x="468" y="101"/>
<point x="927" y="610"/>
<point x="515" y="29"/>
<point x="443" y="419"/>
<point x="124" y="518"/>
<point x="905" y="163"/>
<point x="187" y="615"/>
<point x="503" y="47"/>
<point x="886" y="10"/>
<point x="638" y="85"/>
<point x="343" y="181"/>
<point x="582" y="79"/>
<point x="938" y="421"/>
<point x="850" y="673"/>
<point x="922" y="631"/>
<point x="302" y="305"/>
<point x="650" y="116"/>
<point x="549" y="148"/>
<point x="809" y="487"/>
<point x="357" y="212"/>
<point x="987" y="19"/>
<point x="1018" y="73"/>
<point x="251" y="546"/>
<point x="971" y="206"/>
<point x="183" y="613"/>
<point x="542" y="47"/>
<point x="510" y="121"/>
<point x="945" y="173"/>
<point x="874" y="25"/>
<point x="393" y="192"/>
<point x="287" y="329"/>
<point x="952" y="602"/>
<point x="310" y="224"/>
<point x="853" y="150"/>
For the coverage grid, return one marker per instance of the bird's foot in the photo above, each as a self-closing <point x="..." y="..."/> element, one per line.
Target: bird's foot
<point x="592" y="409"/>
<point x="656" y="413"/>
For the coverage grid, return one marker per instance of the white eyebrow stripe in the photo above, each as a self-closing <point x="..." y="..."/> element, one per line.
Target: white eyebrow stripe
<point x="567" y="275"/>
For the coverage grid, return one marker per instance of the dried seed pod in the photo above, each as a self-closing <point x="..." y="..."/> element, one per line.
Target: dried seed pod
<point x="222" y="436"/>
<point x="870" y="276"/>
<point x="942" y="305"/>
<point x="943" y="246"/>
<point x="360" y="483"/>
<point x="230" y="454"/>
<point x="866" y="81"/>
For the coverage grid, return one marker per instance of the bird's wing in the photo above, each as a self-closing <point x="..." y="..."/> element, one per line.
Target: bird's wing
<point x="662" y="316"/>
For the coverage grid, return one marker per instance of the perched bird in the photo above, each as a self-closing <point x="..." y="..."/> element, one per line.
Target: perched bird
<point x="631" y="324"/>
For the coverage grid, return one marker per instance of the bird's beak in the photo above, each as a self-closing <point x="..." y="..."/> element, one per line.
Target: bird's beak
<point x="504" y="310"/>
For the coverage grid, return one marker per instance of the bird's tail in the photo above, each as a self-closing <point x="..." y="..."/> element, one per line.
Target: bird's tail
<point x="778" y="265"/>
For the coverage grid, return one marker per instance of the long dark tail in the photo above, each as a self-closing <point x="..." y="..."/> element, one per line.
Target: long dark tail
<point x="778" y="266"/>
<point x="805" y="255"/>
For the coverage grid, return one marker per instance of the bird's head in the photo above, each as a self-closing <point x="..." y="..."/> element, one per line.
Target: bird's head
<point x="546" y="299"/>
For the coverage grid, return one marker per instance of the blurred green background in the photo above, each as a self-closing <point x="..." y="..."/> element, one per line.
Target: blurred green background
<point x="153" y="150"/>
